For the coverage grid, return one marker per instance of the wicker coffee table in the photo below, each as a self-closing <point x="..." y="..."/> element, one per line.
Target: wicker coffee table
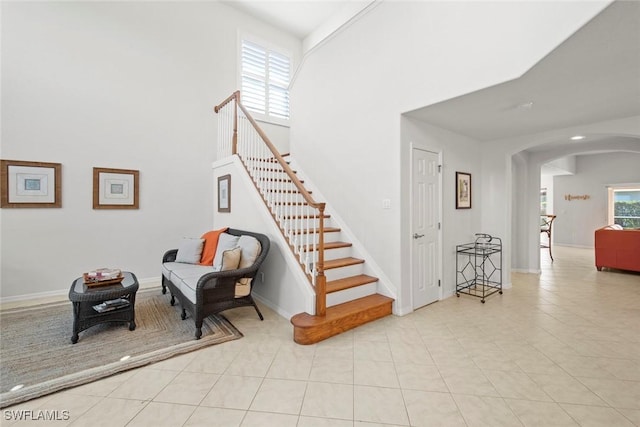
<point x="85" y="297"/>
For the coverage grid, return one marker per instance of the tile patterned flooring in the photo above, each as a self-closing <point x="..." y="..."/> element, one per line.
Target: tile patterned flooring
<point x="557" y="349"/>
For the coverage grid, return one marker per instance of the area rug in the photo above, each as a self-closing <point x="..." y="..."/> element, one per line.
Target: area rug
<point x="36" y="350"/>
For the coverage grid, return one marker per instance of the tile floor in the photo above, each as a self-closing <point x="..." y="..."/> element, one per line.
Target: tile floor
<point x="557" y="349"/>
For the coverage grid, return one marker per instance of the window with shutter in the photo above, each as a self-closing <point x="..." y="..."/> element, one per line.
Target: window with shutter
<point x="265" y="76"/>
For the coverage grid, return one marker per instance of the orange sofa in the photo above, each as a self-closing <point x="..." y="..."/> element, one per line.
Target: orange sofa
<point x="617" y="248"/>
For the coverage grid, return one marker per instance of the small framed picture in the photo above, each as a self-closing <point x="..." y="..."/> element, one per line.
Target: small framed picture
<point x="224" y="193"/>
<point x="115" y="188"/>
<point x="30" y="184"/>
<point x="463" y="190"/>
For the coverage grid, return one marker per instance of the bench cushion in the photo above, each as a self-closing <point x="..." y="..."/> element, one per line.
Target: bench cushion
<point x="185" y="277"/>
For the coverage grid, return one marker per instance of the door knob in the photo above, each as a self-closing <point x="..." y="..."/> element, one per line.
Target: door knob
<point x="417" y="236"/>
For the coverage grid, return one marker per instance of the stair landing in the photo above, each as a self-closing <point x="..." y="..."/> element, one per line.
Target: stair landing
<point x="309" y="329"/>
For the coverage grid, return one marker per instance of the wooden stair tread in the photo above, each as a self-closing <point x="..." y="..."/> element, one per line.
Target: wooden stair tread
<point x="340" y="311"/>
<point x="349" y="282"/>
<point x="287" y="180"/>
<point x="342" y="262"/>
<point x="304" y="216"/>
<point x="270" y="169"/>
<point x="309" y="329"/>
<point x="283" y="190"/>
<point x="315" y="230"/>
<point x="329" y="245"/>
<point x="291" y="203"/>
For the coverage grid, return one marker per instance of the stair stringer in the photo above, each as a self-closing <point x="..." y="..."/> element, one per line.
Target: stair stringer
<point x="282" y="285"/>
<point x="384" y="285"/>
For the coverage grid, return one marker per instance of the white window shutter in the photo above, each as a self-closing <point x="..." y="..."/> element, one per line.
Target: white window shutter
<point x="265" y="80"/>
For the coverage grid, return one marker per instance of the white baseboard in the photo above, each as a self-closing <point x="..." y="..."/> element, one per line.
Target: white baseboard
<point x="271" y="306"/>
<point x="525" y="271"/>
<point x="573" y="246"/>
<point x="60" y="295"/>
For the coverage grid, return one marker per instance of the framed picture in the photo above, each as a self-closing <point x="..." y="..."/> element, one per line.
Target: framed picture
<point x="115" y="188"/>
<point x="463" y="190"/>
<point x="224" y="193"/>
<point x="30" y="184"/>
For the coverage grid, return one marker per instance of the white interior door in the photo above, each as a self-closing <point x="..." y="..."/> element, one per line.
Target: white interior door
<point x="425" y="252"/>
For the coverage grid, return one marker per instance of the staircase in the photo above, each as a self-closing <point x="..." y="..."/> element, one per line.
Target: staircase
<point x="346" y="296"/>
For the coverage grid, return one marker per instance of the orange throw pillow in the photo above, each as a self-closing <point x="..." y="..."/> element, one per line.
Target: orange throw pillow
<point x="210" y="245"/>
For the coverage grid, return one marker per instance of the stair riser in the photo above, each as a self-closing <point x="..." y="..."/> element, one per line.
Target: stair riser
<point x="342" y="272"/>
<point x="312" y="334"/>
<point x="287" y="214"/>
<point x="269" y="175"/>
<point x="335" y="253"/>
<point x="329" y="237"/>
<point x="281" y="187"/>
<point x="350" y="294"/>
<point x="311" y="223"/>
<point x="309" y="219"/>
<point x="281" y="196"/>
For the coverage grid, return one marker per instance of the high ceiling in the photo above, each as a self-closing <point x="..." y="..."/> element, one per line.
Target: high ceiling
<point x="298" y="17"/>
<point x="593" y="76"/>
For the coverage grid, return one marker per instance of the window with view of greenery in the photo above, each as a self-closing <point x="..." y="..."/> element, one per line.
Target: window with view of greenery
<point x="624" y="207"/>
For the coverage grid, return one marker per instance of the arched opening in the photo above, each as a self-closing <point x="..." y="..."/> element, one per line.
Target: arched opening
<point x="580" y="196"/>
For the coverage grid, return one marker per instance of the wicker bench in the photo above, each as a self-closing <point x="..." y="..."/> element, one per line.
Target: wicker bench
<point x="202" y="291"/>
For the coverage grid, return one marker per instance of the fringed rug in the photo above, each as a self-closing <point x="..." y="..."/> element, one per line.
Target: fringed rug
<point x="36" y="350"/>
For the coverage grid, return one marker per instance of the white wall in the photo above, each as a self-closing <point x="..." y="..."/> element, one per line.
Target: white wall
<point x="459" y="154"/>
<point x="519" y="209"/>
<point x="349" y="96"/>
<point x="578" y="219"/>
<point x="119" y="85"/>
<point x="282" y="285"/>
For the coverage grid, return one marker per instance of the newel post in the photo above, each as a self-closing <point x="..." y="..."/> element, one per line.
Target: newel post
<point x="321" y="279"/>
<point x="234" y="142"/>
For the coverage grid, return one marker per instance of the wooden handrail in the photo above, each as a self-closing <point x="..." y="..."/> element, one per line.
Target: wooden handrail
<point x="318" y="278"/>
<point x="235" y="95"/>
<point x="292" y="176"/>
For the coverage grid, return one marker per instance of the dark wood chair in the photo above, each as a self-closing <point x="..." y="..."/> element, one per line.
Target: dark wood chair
<point x="546" y="223"/>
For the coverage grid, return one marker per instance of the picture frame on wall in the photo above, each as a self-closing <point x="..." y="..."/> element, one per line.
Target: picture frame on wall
<point x="27" y="184"/>
<point x="463" y="190"/>
<point x="116" y="188"/>
<point x="224" y="193"/>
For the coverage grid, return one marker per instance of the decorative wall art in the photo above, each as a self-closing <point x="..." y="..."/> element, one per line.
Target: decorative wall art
<point x="570" y="197"/>
<point x="30" y="184"/>
<point x="115" y="188"/>
<point x="224" y="193"/>
<point x="463" y="190"/>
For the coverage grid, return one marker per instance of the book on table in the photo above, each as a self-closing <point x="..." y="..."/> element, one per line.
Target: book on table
<point x="104" y="274"/>
<point x="111" y="305"/>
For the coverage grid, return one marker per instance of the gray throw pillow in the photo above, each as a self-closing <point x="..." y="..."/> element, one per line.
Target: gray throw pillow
<point x="190" y="250"/>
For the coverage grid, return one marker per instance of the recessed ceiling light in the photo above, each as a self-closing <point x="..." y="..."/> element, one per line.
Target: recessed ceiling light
<point x="577" y="137"/>
<point x="525" y="105"/>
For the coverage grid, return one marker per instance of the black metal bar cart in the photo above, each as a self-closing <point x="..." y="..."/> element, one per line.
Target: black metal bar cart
<point x="479" y="267"/>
